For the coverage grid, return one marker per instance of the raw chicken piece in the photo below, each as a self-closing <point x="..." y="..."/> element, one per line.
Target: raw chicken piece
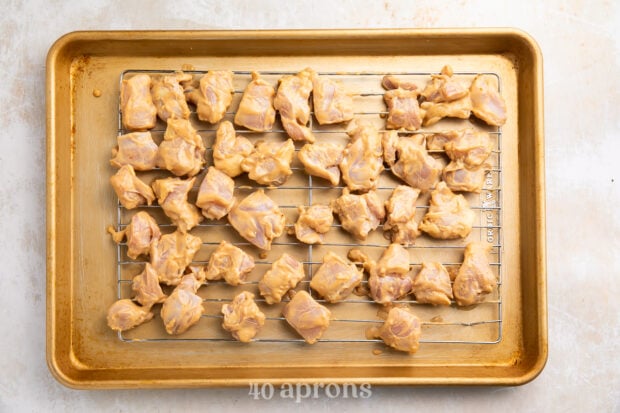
<point x="401" y="330"/>
<point x="388" y="288"/>
<point x="146" y="287"/>
<point x="487" y="103"/>
<point x="389" y="278"/>
<point x="362" y="160"/>
<point x="460" y="177"/>
<point x="434" y="112"/>
<point x="182" y="152"/>
<point x="322" y="159"/>
<point x="390" y="82"/>
<point x="403" y="109"/>
<point x="393" y="261"/>
<point x="168" y="96"/>
<point x="336" y="278"/>
<point x="449" y="216"/>
<point x="242" y="317"/>
<point x="229" y="263"/>
<point x="475" y="278"/>
<point x="470" y="147"/>
<point x="292" y="103"/>
<point x="136" y="149"/>
<point x="125" y="314"/>
<point x="313" y="223"/>
<point x="309" y="318"/>
<point x="432" y="284"/>
<point x="229" y="150"/>
<point x="401" y="215"/>
<point x="437" y="141"/>
<point x="172" y="197"/>
<point x="183" y="308"/>
<point x="131" y="191"/>
<point x="171" y="254"/>
<point x="258" y="219"/>
<point x="214" y="95"/>
<point x="215" y="196"/>
<point x="140" y="234"/>
<point x="270" y="162"/>
<point x="256" y="110"/>
<point x="359" y="214"/>
<point x="410" y="161"/>
<point x="285" y="273"/>
<point x="443" y="88"/>
<point x="445" y="97"/>
<point x="332" y="104"/>
<point x="137" y="108"/>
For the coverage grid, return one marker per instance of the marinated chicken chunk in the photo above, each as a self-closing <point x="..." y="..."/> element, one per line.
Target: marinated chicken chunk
<point x="487" y="103"/>
<point x="389" y="278"/>
<point x="125" y="314"/>
<point x="449" y="215"/>
<point x="434" y="112"/>
<point x="136" y="149"/>
<point x="332" y="103"/>
<point x="258" y="219"/>
<point x="285" y="273"/>
<point x="362" y="160"/>
<point x="130" y="189"/>
<point x="292" y="102"/>
<point x="214" y="95"/>
<point x="431" y="285"/>
<point x="172" y="197"/>
<point x="444" y="97"/>
<point x="322" y="159"/>
<point x="168" y="96"/>
<point x="409" y="160"/>
<point x="309" y="318"/>
<point x="140" y="234"/>
<point x="462" y="178"/>
<point x="403" y="109"/>
<point x="336" y="278"/>
<point x="390" y="82"/>
<point x="229" y="263"/>
<point x="437" y="141"/>
<point x="313" y="223"/>
<point x="182" y="152"/>
<point x="229" y="150"/>
<point x="171" y="254"/>
<point x="401" y="330"/>
<point x="270" y="162"/>
<point x="470" y="147"/>
<point x="183" y="308"/>
<point x="215" y="196"/>
<point x="475" y="278"/>
<point x="359" y="214"/>
<point x="146" y="287"/>
<point x="256" y="110"/>
<point x="137" y="108"/>
<point x="401" y="221"/>
<point x="444" y="88"/>
<point x="242" y="317"/>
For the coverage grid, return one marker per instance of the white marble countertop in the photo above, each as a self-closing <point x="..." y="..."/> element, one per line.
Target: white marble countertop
<point x="580" y="44"/>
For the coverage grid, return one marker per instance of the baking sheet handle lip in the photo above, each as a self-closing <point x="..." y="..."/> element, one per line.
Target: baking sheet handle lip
<point x="83" y="35"/>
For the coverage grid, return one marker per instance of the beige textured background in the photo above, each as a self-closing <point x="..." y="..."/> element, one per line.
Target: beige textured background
<point x="580" y="44"/>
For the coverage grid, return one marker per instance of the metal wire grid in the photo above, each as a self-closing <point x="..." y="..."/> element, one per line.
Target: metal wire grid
<point x="490" y="202"/>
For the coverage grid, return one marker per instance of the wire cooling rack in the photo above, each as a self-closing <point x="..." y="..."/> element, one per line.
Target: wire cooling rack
<point x="352" y="317"/>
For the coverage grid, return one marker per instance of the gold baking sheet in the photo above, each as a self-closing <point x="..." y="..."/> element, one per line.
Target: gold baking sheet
<point x="82" y="264"/>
